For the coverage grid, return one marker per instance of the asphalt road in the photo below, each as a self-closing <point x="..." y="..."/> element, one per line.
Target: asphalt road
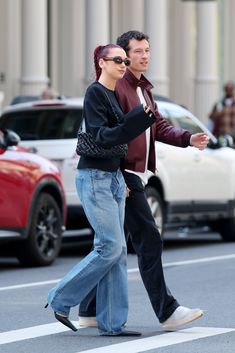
<point x="199" y="271"/>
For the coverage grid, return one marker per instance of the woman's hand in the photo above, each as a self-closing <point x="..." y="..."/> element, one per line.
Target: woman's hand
<point x="148" y="110"/>
<point x="127" y="191"/>
<point x="199" y="140"/>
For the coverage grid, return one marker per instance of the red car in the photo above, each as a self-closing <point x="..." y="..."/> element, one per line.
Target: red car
<point x="32" y="203"/>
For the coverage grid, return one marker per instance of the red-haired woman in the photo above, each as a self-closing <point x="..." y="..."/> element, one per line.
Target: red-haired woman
<point x="101" y="189"/>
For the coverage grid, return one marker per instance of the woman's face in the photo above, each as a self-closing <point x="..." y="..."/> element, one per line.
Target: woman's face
<point x="114" y="64"/>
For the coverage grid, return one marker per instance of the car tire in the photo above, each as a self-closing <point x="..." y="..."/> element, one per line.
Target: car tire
<point x="156" y="204"/>
<point x="226" y="228"/>
<point x="44" y="237"/>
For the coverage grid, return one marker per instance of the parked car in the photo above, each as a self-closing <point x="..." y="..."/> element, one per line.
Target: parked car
<point x="32" y="203"/>
<point x="190" y="187"/>
<point x="49" y="128"/>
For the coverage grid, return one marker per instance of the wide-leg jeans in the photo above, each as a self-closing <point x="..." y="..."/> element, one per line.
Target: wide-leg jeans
<point x="147" y="243"/>
<point x="103" y="197"/>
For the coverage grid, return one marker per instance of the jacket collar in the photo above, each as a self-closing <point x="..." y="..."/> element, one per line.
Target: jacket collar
<point x="134" y="81"/>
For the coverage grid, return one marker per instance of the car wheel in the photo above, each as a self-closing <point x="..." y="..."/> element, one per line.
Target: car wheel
<point x="226" y="228"/>
<point x="157" y="207"/>
<point x="45" y="233"/>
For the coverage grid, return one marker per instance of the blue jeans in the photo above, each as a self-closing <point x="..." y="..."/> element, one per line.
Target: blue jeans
<point x="147" y="244"/>
<point x="103" y="197"/>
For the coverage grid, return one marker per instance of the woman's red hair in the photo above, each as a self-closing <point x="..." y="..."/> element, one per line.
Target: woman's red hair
<point x="100" y="52"/>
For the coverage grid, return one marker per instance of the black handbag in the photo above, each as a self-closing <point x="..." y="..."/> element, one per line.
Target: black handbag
<point x="86" y="146"/>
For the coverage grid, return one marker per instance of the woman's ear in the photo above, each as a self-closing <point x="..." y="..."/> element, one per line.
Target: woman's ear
<point x="101" y="63"/>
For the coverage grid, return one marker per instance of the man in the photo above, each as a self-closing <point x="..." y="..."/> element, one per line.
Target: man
<point x="48" y="93"/>
<point x="222" y="115"/>
<point x="132" y="90"/>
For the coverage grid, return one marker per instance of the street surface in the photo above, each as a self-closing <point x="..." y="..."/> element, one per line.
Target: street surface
<point x="199" y="271"/>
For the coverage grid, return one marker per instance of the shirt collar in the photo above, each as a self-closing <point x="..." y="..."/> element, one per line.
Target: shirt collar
<point x="142" y="82"/>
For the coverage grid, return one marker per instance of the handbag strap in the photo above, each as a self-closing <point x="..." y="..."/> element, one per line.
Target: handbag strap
<point x="115" y="114"/>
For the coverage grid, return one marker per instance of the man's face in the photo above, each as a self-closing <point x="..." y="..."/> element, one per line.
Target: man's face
<point x="139" y="54"/>
<point x="229" y="90"/>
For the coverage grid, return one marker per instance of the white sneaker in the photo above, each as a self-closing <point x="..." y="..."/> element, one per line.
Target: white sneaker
<point x="180" y="317"/>
<point x="89" y="321"/>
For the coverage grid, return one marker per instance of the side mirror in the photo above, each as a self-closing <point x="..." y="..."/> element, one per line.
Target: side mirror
<point x="8" y="138"/>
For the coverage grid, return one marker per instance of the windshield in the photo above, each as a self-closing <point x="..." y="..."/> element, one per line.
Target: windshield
<point x="180" y="119"/>
<point x="184" y="122"/>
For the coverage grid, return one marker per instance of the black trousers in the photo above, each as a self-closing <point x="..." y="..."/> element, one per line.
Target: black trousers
<point x="147" y="243"/>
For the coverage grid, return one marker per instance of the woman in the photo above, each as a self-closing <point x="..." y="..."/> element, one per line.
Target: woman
<point x="101" y="189"/>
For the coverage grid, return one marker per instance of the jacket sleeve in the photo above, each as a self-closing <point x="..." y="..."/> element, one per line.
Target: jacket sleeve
<point x="96" y="114"/>
<point x="168" y="134"/>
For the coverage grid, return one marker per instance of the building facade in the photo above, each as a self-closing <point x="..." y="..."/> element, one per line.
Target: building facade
<point x="52" y="41"/>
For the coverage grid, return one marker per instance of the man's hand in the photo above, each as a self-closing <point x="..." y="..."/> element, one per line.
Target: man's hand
<point x="199" y="140"/>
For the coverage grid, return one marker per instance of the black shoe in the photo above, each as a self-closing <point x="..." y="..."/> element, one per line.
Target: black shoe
<point x="65" y="321"/>
<point x="124" y="333"/>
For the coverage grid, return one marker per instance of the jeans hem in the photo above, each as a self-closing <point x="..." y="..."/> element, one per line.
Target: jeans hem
<point x="110" y="333"/>
<point x="85" y="314"/>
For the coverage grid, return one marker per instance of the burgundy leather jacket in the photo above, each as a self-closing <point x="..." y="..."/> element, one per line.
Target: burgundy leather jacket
<point x="160" y="131"/>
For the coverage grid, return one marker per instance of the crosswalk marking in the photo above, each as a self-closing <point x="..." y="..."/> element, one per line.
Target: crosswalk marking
<point x="200" y="260"/>
<point x="133" y="346"/>
<point x="27" y="285"/>
<point x="33" y="332"/>
<point x="132" y="270"/>
<point x="167" y="339"/>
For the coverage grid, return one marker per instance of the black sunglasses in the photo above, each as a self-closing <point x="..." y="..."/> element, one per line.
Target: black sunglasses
<point x="118" y="60"/>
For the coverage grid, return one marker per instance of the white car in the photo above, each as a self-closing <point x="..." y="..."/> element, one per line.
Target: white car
<point x="190" y="187"/>
<point x="193" y="187"/>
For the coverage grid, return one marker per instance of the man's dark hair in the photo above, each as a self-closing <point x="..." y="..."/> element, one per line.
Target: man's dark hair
<point x="124" y="40"/>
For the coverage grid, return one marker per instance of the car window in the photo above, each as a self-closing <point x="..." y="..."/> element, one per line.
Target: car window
<point x="165" y="115"/>
<point x="181" y="120"/>
<point x="44" y="124"/>
<point x="163" y="112"/>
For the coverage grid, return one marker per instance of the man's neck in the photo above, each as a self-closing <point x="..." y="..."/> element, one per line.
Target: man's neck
<point x="137" y="74"/>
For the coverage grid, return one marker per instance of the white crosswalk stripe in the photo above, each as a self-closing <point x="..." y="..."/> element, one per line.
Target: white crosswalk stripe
<point x="33" y="332"/>
<point x="164" y="340"/>
<point x="133" y="346"/>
